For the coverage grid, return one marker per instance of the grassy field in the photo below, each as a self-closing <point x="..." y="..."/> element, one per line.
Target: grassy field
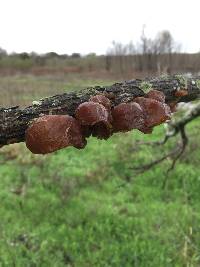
<point x="23" y="89"/>
<point x="87" y="207"/>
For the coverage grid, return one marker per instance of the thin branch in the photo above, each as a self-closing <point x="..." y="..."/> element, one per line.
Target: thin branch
<point x="159" y="142"/>
<point x="181" y="149"/>
<point x="146" y="167"/>
<point x="184" y="143"/>
<point x="175" y="127"/>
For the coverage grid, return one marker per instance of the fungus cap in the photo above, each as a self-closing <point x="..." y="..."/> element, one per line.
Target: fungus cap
<point x="52" y="132"/>
<point x="101" y="99"/>
<point x="157" y="95"/>
<point x="95" y="116"/>
<point x="154" y="111"/>
<point x="181" y="93"/>
<point x="127" y="116"/>
<point x="90" y="113"/>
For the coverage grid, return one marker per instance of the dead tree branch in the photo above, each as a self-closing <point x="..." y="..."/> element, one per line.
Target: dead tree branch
<point x="14" y="121"/>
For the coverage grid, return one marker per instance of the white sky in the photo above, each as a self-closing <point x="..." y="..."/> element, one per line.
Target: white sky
<point x="67" y="26"/>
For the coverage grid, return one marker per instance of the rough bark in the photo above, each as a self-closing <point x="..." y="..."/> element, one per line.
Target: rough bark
<point x="14" y="121"/>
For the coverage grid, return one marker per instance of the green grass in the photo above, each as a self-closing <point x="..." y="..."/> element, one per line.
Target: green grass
<point x="87" y="207"/>
<point x="23" y="89"/>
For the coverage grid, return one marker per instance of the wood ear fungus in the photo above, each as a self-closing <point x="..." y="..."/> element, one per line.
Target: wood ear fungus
<point x="181" y="93"/>
<point x="146" y="130"/>
<point x="157" y="95"/>
<point x="52" y="132"/>
<point x="90" y="113"/>
<point x="173" y="106"/>
<point x="155" y="112"/>
<point x="97" y="116"/>
<point x="101" y="99"/>
<point x="127" y="116"/>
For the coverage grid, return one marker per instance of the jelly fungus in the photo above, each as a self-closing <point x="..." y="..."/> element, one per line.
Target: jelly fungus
<point x="101" y="99"/>
<point x="90" y="113"/>
<point x="181" y="93"/>
<point x="86" y="130"/>
<point x="173" y="106"/>
<point x="145" y="129"/>
<point x="157" y="95"/>
<point x="52" y="132"/>
<point x="127" y="116"/>
<point x="154" y="111"/>
<point x="95" y="115"/>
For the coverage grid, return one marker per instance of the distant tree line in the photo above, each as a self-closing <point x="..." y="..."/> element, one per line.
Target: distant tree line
<point x="161" y="55"/>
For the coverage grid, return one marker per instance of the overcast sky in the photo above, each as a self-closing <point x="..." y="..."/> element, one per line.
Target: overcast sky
<point x="67" y="26"/>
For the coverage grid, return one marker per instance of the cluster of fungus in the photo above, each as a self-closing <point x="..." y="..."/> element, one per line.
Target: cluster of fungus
<point x="98" y="118"/>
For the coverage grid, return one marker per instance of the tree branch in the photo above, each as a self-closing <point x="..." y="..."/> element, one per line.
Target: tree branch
<point x="175" y="127"/>
<point x="14" y="121"/>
